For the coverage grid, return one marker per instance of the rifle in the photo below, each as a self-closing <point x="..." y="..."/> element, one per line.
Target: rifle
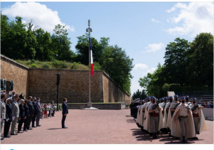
<point x="155" y="106"/>
<point x="195" y="107"/>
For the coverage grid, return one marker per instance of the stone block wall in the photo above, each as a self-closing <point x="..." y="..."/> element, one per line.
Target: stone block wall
<point x="74" y="84"/>
<point x="13" y="71"/>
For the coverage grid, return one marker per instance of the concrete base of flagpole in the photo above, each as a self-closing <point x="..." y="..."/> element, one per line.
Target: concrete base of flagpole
<point x="89" y="107"/>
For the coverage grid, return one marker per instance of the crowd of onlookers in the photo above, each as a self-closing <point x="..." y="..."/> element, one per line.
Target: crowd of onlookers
<point x="207" y="104"/>
<point x="20" y="114"/>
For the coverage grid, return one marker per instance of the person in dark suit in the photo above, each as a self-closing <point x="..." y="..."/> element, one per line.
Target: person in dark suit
<point x="27" y="114"/>
<point x="22" y="115"/>
<point x="8" y="117"/>
<point x="64" y="112"/>
<point x="35" y="112"/>
<point x="31" y="112"/>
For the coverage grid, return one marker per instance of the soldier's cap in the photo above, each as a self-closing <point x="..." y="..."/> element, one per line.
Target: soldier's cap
<point x="183" y="98"/>
<point x="194" y="99"/>
<point x="176" y="96"/>
<point x="153" y="98"/>
<point x="170" y="97"/>
<point x="187" y="96"/>
<point x="9" y="98"/>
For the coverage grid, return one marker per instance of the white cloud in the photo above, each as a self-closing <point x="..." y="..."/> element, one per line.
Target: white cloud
<point x="154" y="47"/>
<point x="151" y="70"/>
<point x="140" y="66"/>
<point x="41" y="16"/>
<point x="154" y="20"/>
<point x="192" y="18"/>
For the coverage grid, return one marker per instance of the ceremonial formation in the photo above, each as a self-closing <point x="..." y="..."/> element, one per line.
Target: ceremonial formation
<point x="19" y="115"/>
<point x="176" y="116"/>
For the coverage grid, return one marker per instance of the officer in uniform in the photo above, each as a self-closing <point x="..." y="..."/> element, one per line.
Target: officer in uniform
<point x="198" y="117"/>
<point x="35" y="112"/>
<point x="15" y="114"/>
<point x="3" y="113"/>
<point x="183" y="118"/>
<point x="8" y="117"/>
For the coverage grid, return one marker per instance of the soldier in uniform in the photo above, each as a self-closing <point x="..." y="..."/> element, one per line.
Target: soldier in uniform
<point x="155" y="117"/>
<point x="166" y="112"/>
<point x="187" y="100"/>
<point x="172" y="108"/>
<point x="15" y="114"/>
<point x="27" y="114"/>
<point x="182" y="124"/>
<point x="146" y="120"/>
<point x="22" y="115"/>
<point x="198" y="117"/>
<point x="35" y="112"/>
<point x="3" y="113"/>
<point x="8" y="117"/>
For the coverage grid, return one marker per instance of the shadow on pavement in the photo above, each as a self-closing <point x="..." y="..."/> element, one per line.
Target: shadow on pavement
<point x="130" y="121"/>
<point x="54" y="128"/>
<point x="143" y="136"/>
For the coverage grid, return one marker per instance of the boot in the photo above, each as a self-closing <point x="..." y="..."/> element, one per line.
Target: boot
<point x="184" y="139"/>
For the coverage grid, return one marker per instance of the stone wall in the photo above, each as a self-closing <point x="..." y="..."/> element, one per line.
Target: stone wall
<point x="74" y="84"/>
<point x="13" y="71"/>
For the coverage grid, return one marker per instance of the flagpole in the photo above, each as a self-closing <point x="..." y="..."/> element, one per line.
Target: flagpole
<point x="89" y="30"/>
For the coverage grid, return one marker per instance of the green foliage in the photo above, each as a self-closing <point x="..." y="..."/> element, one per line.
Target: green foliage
<point x="139" y="94"/>
<point x="47" y="66"/>
<point x="187" y="67"/>
<point x="33" y="66"/>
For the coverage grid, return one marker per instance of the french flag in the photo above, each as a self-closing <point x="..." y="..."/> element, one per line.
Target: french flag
<point x="92" y="66"/>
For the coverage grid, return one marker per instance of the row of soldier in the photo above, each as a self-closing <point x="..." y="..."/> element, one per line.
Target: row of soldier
<point x="17" y="110"/>
<point x="175" y="116"/>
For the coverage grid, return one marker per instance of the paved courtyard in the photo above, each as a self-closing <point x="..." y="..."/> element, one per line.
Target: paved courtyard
<point x="97" y="127"/>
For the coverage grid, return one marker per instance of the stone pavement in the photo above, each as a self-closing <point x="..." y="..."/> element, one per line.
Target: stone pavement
<point x="97" y="127"/>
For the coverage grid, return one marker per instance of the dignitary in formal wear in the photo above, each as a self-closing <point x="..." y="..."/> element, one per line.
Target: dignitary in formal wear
<point x="3" y="113"/>
<point x="27" y="114"/>
<point x="182" y="122"/>
<point x="198" y="117"/>
<point x="8" y="117"/>
<point x="31" y="112"/>
<point x="64" y="112"/>
<point x="35" y="112"/>
<point x="38" y="115"/>
<point x="155" y="117"/>
<point x="22" y="115"/>
<point x="15" y="114"/>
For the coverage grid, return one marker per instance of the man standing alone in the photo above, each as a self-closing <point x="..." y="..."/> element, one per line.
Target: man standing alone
<point x="64" y="112"/>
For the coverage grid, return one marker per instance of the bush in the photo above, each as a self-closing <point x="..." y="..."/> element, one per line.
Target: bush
<point x="75" y="66"/>
<point x="64" y="64"/>
<point x="32" y="61"/>
<point x="33" y="66"/>
<point x="56" y="63"/>
<point x="45" y="66"/>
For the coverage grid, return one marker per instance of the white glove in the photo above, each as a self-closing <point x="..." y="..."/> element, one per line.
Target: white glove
<point x="7" y="119"/>
<point x="13" y="118"/>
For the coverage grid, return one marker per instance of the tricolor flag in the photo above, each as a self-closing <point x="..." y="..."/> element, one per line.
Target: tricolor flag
<point x="92" y="70"/>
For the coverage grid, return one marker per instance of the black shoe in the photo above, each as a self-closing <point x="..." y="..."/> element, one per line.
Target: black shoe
<point x="184" y="140"/>
<point x="25" y="130"/>
<point x="38" y="125"/>
<point x="13" y="133"/>
<point x="30" y="129"/>
<point x="20" y="131"/>
<point x="7" y="136"/>
<point x="65" y="127"/>
<point x="2" y="138"/>
<point x="195" y="138"/>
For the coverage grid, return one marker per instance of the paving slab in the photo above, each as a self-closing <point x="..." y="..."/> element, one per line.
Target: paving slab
<point x="97" y="127"/>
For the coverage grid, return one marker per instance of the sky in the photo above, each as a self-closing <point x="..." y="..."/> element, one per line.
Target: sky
<point x="142" y="29"/>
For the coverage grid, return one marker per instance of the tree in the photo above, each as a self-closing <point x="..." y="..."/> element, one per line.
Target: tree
<point x="139" y="94"/>
<point x="61" y="44"/>
<point x="200" y="64"/>
<point x="176" y="61"/>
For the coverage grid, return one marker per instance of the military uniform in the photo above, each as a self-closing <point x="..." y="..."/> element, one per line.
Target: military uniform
<point x="2" y="116"/>
<point x="15" y="116"/>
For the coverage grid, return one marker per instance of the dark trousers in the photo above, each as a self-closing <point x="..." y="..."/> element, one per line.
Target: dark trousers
<point x="25" y="124"/>
<point x="63" y="120"/>
<point x="6" y="128"/>
<point x="33" y="120"/>
<point x="29" y="119"/>
<point x="20" y="124"/>
<point x="38" y="116"/>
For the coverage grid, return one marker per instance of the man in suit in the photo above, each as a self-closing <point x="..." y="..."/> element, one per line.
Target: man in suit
<point x="64" y="112"/>
<point x="8" y="117"/>
<point x="3" y="112"/>
<point x="15" y="114"/>
<point x="35" y="112"/>
<point x="31" y="113"/>
<point x="38" y="116"/>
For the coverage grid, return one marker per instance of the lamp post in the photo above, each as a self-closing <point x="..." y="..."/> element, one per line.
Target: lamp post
<point x="57" y="92"/>
<point x="89" y="30"/>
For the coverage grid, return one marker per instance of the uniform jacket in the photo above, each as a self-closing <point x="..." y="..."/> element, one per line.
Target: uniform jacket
<point x="35" y="108"/>
<point x="31" y="108"/>
<point x="15" y="109"/>
<point x="27" y="111"/>
<point x="3" y="109"/>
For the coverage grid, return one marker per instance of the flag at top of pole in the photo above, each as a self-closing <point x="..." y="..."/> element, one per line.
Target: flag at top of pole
<point x="92" y="66"/>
